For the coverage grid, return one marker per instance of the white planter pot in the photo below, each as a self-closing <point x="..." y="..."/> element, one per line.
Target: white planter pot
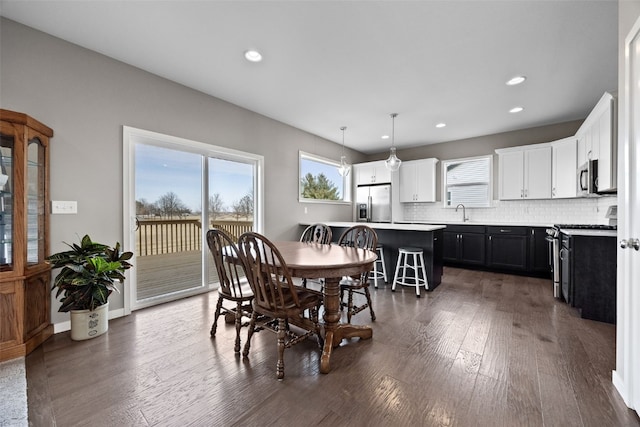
<point x="86" y="324"/>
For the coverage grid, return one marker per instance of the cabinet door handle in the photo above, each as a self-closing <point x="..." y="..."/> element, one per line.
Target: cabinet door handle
<point x="522" y="194"/>
<point x="502" y="230"/>
<point x="630" y="244"/>
<point x="489" y="237"/>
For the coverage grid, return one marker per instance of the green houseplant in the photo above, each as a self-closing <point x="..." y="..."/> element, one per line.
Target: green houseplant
<point x="86" y="279"/>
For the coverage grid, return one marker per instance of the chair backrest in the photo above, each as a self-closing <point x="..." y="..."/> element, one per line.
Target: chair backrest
<point x="268" y="274"/>
<point x="317" y="233"/>
<point x="359" y="236"/>
<point x="230" y="269"/>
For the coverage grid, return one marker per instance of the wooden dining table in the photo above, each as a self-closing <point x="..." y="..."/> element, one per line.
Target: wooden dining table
<point x="330" y="262"/>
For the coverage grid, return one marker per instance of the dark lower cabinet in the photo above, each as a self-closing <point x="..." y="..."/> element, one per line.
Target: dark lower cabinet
<point x="589" y="275"/>
<point x="464" y="245"/>
<point x="507" y="247"/>
<point x="517" y="249"/>
<point x="539" y="251"/>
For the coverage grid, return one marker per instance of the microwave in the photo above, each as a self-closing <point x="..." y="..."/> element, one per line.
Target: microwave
<point x="588" y="178"/>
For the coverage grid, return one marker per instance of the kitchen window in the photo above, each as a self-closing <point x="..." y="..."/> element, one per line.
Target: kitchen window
<point x="467" y="181"/>
<point x="319" y="180"/>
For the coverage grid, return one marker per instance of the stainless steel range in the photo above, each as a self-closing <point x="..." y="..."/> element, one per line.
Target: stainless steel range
<point x="558" y="253"/>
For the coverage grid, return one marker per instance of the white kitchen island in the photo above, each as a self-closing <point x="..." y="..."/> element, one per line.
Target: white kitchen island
<point x="392" y="236"/>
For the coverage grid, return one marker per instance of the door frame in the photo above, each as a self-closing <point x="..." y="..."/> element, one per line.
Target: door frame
<point x="626" y="376"/>
<point x="131" y="136"/>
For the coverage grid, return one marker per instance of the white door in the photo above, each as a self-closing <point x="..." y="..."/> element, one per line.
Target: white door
<point x="626" y="377"/>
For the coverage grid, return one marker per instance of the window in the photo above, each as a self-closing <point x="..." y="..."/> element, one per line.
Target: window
<point x="319" y="180"/>
<point x="467" y="181"/>
<point x="174" y="191"/>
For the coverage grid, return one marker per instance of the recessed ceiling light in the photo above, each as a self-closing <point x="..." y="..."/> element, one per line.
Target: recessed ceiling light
<point x="441" y="125"/>
<point x="253" y="56"/>
<point x="516" y="80"/>
<point x="516" y="109"/>
<point x="385" y="137"/>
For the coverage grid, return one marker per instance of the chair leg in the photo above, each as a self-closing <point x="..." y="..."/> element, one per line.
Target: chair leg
<point x="252" y="327"/>
<point x="236" y="348"/>
<point x="349" y="306"/>
<point x="316" y="323"/>
<point x="281" y="337"/>
<point x="416" y="275"/>
<point x="368" y="295"/>
<point x="341" y="298"/>
<point x="396" y="274"/>
<point x="214" y="327"/>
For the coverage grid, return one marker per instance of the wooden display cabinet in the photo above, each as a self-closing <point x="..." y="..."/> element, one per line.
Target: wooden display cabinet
<point x="25" y="278"/>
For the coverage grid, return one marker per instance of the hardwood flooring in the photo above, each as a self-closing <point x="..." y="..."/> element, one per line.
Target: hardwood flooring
<point x="483" y="349"/>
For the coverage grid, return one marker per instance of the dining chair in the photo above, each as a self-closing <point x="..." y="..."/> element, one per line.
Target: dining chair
<point x="277" y="297"/>
<point x="234" y="285"/>
<point x="364" y="237"/>
<point x="316" y="233"/>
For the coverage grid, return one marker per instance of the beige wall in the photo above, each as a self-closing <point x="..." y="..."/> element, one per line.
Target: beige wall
<point x="86" y="98"/>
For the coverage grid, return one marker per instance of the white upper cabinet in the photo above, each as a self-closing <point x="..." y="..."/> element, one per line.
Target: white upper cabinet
<point x="525" y="172"/>
<point x="564" y="166"/>
<point x="418" y="181"/>
<point x="372" y="173"/>
<point x="597" y="140"/>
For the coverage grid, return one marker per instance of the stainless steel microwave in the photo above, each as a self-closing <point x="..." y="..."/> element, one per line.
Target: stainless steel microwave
<point x="588" y="178"/>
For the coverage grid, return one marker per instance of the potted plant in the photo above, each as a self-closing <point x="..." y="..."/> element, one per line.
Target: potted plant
<point x="88" y="276"/>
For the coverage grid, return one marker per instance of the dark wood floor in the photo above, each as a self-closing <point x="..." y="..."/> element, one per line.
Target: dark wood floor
<point x="483" y="349"/>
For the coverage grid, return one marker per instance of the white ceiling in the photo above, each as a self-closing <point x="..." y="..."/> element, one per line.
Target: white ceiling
<point x="329" y="64"/>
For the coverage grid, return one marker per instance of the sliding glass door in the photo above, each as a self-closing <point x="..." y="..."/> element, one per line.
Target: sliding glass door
<point x="175" y="190"/>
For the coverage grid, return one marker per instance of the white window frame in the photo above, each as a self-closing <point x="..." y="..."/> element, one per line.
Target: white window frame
<point x="346" y="180"/>
<point x="445" y="163"/>
<point x="130" y="137"/>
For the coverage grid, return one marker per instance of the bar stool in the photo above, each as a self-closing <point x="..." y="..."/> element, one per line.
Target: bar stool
<point x="376" y="274"/>
<point x="416" y="263"/>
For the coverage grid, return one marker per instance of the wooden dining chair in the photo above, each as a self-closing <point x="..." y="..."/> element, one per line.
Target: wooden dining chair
<point x="364" y="237"/>
<point x="316" y="233"/>
<point x="234" y="285"/>
<point x="277" y="297"/>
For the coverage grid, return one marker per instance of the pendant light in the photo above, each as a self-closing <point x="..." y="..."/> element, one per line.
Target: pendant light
<point x="344" y="167"/>
<point x="393" y="162"/>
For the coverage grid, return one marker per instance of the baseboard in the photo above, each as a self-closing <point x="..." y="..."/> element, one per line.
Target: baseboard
<point x="619" y="384"/>
<point x="66" y="326"/>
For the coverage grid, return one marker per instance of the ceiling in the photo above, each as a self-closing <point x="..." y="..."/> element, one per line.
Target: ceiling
<point x="329" y="64"/>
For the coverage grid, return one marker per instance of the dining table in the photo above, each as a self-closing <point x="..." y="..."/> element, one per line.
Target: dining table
<point x="330" y="262"/>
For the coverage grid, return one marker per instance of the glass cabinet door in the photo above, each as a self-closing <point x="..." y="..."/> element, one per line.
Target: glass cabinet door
<point x="6" y="201"/>
<point x="36" y="204"/>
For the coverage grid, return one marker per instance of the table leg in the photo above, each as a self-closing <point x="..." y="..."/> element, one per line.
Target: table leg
<point x="334" y="332"/>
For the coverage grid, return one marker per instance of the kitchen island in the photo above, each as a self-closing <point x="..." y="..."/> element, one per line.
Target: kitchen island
<point x="392" y="236"/>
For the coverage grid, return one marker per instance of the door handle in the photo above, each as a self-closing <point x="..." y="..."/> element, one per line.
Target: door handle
<point x="630" y="243"/>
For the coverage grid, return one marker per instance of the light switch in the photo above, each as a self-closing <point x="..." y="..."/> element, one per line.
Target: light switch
<point x="64" y="207"/>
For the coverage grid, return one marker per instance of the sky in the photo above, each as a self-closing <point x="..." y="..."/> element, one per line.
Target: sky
<point x="159" y="171"/>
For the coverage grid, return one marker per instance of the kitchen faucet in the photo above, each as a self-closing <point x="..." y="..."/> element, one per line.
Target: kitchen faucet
<point x="464" y="212"/>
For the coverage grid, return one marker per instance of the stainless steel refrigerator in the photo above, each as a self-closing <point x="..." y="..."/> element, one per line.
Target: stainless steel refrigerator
<point x="373" y="203"/>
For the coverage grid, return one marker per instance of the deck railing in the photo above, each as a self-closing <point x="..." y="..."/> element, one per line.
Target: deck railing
<point x="234" y="228"/>
<point x="165" y="236"/>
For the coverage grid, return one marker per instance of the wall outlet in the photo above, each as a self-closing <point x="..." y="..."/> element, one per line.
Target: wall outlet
<point x="64" y="207"/>
<point x="305" y="209"/>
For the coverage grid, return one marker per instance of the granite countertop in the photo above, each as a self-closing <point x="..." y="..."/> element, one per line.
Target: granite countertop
<point x="513" y="224"/>
<point x="587" y="232"/>
<point x="387" y="226"/>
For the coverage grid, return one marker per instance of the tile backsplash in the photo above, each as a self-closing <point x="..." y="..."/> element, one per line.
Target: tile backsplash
<point x="534" y="212"/>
